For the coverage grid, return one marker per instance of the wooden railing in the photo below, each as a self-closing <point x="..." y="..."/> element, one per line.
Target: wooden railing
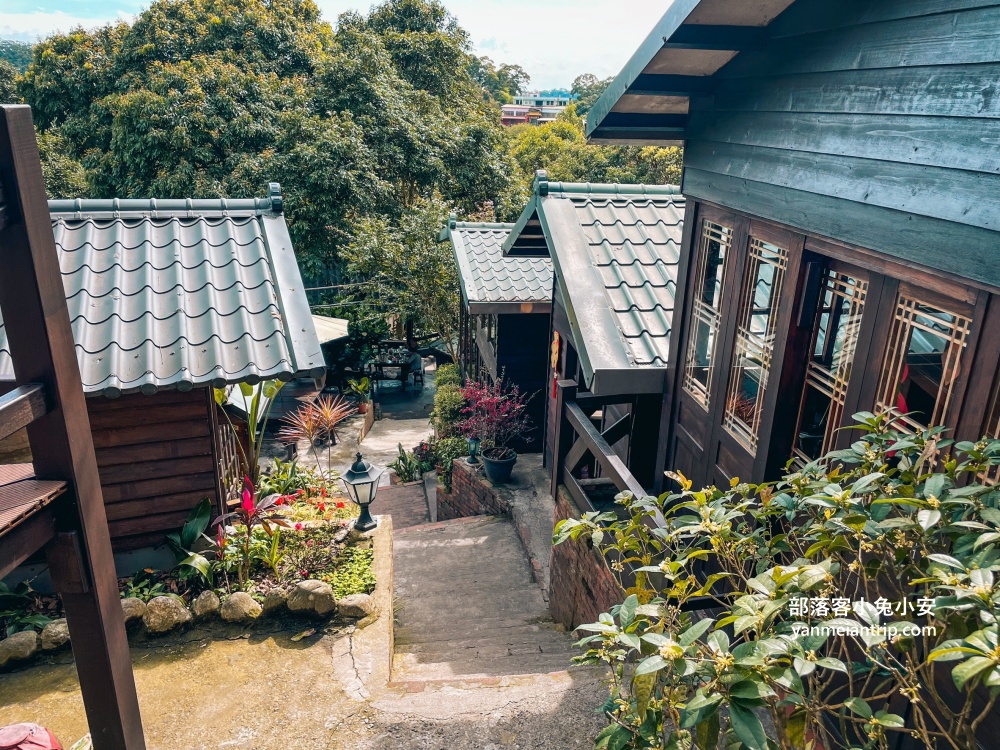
<point x="578" y="442"/>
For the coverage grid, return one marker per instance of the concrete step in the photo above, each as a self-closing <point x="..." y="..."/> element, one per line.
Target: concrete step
<point x="468" y="606"/>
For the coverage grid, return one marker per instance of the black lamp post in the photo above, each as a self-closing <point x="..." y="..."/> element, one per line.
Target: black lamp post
<point x="362" y="484"/>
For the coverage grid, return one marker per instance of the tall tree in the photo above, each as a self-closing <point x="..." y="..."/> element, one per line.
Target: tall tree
<point x="218" y="97"/>
<point x="8" y="83"/>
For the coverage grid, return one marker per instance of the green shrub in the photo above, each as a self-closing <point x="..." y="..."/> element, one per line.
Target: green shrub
<point x="447" y="375"/>
<point x="445" y="452"/>
<point x="448" y="405"/>
<point x="817" y="583"/>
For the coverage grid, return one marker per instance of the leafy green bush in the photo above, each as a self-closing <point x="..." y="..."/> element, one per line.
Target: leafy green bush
<point x="447" y="375"/>
<point x="446" y="451"/>
<point x="852" y="585"/>
<point x="448" y="405"/>
<point x="407" y="466"/>
<point x="354" y="574"/>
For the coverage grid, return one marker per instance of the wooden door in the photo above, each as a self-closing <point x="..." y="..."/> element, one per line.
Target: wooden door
<point x="745" y="287"/>
<point x="714" y="254"/>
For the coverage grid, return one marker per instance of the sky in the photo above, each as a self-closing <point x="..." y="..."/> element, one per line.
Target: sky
<point x="553" y="40"/>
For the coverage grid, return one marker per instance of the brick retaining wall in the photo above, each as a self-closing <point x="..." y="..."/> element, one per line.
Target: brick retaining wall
<point x="581" y="584"/>
<point x="470" y="495"/>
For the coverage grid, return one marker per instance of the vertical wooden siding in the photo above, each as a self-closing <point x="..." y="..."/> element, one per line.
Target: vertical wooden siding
<point x="874" y="123"/>
<point x="155" y="459"/>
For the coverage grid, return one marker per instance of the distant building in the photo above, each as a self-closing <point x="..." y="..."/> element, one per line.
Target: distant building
<point x="534" y="109"/>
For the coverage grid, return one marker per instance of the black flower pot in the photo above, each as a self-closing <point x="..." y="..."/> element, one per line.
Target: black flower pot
<point x="498" y="470"/>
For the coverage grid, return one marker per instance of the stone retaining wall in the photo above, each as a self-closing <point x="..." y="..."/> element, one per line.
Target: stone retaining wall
<point x="581" y="584"/>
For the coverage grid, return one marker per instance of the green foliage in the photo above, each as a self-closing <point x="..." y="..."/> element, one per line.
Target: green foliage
<point x="502" y="83"/>
<point x="16" y="53"/>
<point x="588" y="88"/>
<point x="144" y="585"/>
<point x="286" y="477"/>
<point x="207" y="98"/>
<point x="447" y="375"/>
<point x="258" y="400"/>
<point x="400" y="267"/>
<point x="446" y="451"/>
<point x="354" y="574"/>
<point x="447" y="412"/>
<point x="182" y="543"/>
<point x="407" y="466"/>
<point x="64" y="176"/>
<point x="15" y="610"/>
<point x="895" y="518"/>
<point x="560" y="148"/>
<point x="361" y="388"/>
<point x="8" y="87"/>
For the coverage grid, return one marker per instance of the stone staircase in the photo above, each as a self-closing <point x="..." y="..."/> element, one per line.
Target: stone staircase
<point x="467" y="607"/>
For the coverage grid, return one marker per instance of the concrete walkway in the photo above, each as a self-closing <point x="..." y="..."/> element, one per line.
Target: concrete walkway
<point x="468" y="606"/>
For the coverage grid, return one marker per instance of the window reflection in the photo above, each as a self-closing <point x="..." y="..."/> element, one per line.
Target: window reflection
<point x="754" y="347"/>
<point x="706" y="310"/>
<point x="923" y="361"/>
<point x="835" y="338"/>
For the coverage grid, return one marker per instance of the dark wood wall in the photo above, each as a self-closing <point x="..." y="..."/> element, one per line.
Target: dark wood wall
<point x="523" y="357"/>
<point x="155" y="458"/>
<point x="873" y="122"/>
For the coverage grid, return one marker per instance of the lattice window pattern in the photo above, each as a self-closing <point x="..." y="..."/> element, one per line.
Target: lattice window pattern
<point x="922" y="363"/>
<point x="754" y="347"/>
<point x="706" y="310"/>
<point x="834" y="342"/>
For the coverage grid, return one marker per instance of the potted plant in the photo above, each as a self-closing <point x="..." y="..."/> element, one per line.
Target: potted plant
<point x="496" y="414"/>
<point x="360" y="388"/>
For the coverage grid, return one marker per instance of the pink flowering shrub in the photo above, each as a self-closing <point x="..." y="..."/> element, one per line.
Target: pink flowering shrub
<point x="496" y="414"/>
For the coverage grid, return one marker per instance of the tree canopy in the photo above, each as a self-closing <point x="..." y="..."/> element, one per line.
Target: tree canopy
<point x="561" y="149"/>
<point x="16" y="53"/>
<point x="202" y="98"/>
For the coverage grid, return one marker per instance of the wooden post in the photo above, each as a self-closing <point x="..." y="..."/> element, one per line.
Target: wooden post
<point x="647" y="412"/>
<point x="42" y="348"/>
<point x="565" y="393"/>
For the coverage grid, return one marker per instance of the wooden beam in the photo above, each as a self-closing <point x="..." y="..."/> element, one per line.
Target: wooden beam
<point x="21" y="407"/>
<point x="642" y="122"/>
<point x="618" y="430"/>
<point x="29" y="537"/>
<point x="654" y="84"/>
<point x="42" y="348"/>
<point x="709" y="37"/>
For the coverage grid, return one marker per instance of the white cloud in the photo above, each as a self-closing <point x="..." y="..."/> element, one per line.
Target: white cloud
<point x="553" y="40"/>
<point x="31" y="26"/>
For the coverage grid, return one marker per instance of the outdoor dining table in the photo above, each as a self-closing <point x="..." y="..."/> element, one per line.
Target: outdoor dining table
<point x="381" y="365"/>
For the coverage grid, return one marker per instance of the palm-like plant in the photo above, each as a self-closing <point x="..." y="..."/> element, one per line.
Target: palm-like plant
<point x="317" y="422"/>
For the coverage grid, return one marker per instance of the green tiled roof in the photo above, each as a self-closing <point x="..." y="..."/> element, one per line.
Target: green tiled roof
<point x="616" y="250"/>
<point x="181" y="293"/>
<point x="490" y="282"/>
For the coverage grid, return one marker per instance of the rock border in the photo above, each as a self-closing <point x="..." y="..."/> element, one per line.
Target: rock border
<point x="166" y="617"/>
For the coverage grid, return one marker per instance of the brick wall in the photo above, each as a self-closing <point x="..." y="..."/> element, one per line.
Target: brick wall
<point x="581" y="584"/>
<point x="470" y="495"/>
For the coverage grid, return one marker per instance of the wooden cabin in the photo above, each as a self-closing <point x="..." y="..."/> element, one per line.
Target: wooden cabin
<point x="505" y="317"/>
<point x="168" y="300"/>
<point x="615" y="251"/>
<point x="841" y="175"/>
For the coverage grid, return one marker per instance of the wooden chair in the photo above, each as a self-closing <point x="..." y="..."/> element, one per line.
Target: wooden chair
<point x="56" y="505"/>
<point x="418" y="375"/>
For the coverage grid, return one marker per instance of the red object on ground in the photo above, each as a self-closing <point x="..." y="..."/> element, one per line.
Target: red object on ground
<point x="27" y="737"/>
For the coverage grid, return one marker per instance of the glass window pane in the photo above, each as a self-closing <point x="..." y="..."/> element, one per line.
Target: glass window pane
<point x="756" y="328"/>
<point x="922" y="362"/>
<point x="835" y="338"/>
<point x="706" y="310"/>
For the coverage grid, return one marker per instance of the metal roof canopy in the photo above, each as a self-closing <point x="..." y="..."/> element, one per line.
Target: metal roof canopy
<point x="181" y="293"/>
<point x="329" y="330"/>
<point x="611" y="317"/>
<point x="648" y="101"/>
<point x="492" y="283"/>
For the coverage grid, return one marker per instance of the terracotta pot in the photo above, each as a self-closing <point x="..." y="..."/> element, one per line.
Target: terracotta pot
<point x="363" y="407"/>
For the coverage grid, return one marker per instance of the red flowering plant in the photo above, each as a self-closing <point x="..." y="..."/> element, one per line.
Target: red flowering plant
<point x="250" y="514"/>
<point x="496" y="414"/>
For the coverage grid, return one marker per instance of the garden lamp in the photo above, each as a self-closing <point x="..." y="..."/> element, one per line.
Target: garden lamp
<point x="473" y="450"/>
<point x="362" y="484"/>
